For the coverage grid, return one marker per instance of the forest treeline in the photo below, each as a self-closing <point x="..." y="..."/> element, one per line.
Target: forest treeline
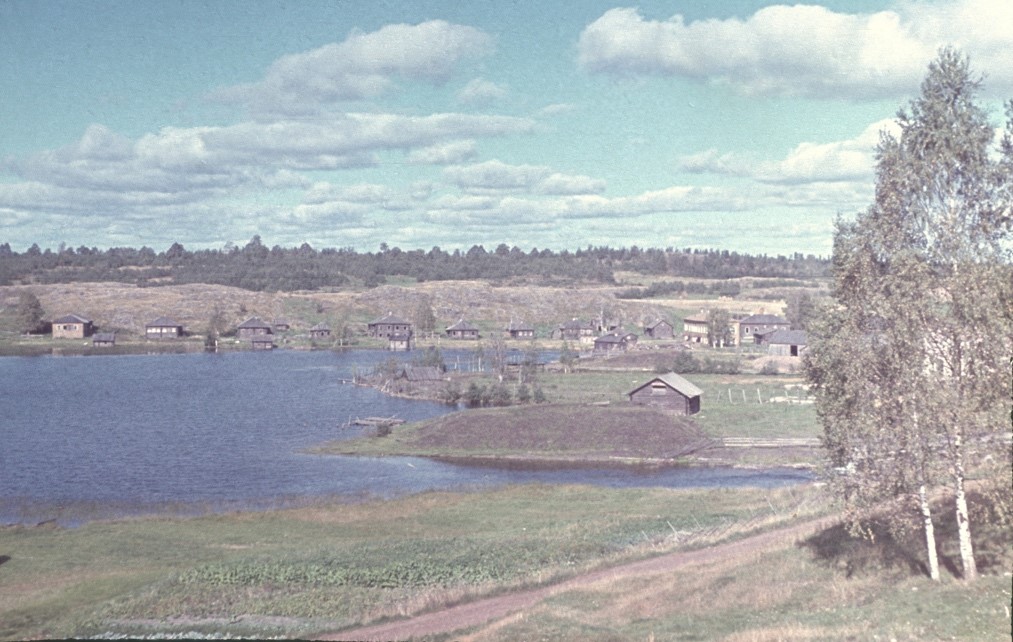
<point x="257" y="267"/>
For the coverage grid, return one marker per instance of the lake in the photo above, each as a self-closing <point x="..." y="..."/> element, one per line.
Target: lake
<point x="104" y="436"/>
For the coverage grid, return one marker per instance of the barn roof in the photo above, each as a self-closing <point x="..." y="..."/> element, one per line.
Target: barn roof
<point x="163" y="322"/>
<point x="655" y="324"/>
<point x="71" y="318"/>
<point x="787" y="337"/>
<point x="462" y="326"/>
<point x="254" y="322"/>
<point x="673" y="381"/>
<point x="389" y="319"/>
<point x="421" y="373"/>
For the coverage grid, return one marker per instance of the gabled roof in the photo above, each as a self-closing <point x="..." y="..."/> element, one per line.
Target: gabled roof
<point x="763" y="319"/>
<point x="576" y="324"/>
<point x="616" y="337"/>
<point x="254" y="322"/>
<point x="164" y="322"/>
<point x="462" y="326"/>
<point x="421" y="373"/>
<point x="389" y="319"/>
<point x="674" y="382"/>
<point x="71" y="318"/>
<point x="320" y="326"/>
<point x="787" y="337"/>
<point x="655" y="324"/>
<point x="519" y="327"/>
<point x="692" y="319"/>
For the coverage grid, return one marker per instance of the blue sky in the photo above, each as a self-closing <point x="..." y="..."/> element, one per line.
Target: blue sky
<point x="746" y="126"/>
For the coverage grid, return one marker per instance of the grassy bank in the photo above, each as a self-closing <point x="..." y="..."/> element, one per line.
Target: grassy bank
<point x="299" y="571"/>
<point x="555" y="432"/>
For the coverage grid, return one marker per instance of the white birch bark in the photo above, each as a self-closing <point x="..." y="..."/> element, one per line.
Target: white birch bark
<point x="930" y="532"/>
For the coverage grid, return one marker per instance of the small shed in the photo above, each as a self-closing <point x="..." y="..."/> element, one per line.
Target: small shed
<point x="71" y="326"/>
<point x="253" y="327"/>
<point x="399" y="342"/>
<point x="668" y="391"/>
<point x="262" y="342"/>
<point x="785" y="343"/>
<point x="104" y="339"/>
<point x="659" y="329"/>
<point x="320" y="331"/>
<point x="462" y="330"/>
<point x="163" y="328"/>
<point x="418" y="374"/>
<point x="282" y="325"/>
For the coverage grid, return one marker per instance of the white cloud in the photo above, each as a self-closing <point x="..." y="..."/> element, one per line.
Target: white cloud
<point x="364" y="65"/>
<point x="557" y="183"/>
<point x="451" y="153"/>
<point x="836" y="161"/>
<point x="481" y="92"/>
<point x="807" y="50"/>
<point x="495" y="176"/>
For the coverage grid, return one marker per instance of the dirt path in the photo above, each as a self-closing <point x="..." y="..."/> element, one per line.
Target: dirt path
<point x="488" y="609"/>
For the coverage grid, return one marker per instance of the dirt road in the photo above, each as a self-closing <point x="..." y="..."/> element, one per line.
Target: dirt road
<point x="489" y="609"/>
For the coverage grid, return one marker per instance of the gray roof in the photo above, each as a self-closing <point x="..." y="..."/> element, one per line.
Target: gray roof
<point x="320" y="326"/>
<point x="463" y="326"/>
<point x="254" y="322"/>
<point x="71" y="318"/>
<point x="675" y="382"/>
<point x="763" y="319"/>
<point x="787" y="337"/>
<point x="421" y="373"/>
<point x="104" y="337"/>
<point x="164" y="322"/>
<point x="390" y="319"/>
<point x="654" y="324"/>
<point x="519" y="327"/>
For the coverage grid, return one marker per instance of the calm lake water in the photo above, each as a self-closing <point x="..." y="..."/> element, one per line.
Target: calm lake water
<point x="87" y="437"/>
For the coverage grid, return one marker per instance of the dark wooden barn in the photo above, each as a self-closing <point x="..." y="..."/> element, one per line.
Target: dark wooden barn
<point x="668" y="391"/>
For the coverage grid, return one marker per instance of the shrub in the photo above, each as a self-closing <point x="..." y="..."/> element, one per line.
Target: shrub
<point x="769" y="368"/>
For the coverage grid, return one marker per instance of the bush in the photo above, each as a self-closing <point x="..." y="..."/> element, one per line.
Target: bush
<point x="685" y="363"/>
<point x="523" y="394"/>
<point x="769" y="368"/>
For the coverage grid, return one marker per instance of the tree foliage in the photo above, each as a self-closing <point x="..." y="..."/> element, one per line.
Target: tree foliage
<point x="909" y="362"/>
<point x="29" y="312"/>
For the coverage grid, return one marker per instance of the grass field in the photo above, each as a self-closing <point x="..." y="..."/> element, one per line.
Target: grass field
<point x="328" y="566"/>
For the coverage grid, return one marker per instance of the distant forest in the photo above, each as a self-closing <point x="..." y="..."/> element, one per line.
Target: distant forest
<point x="257" y="267"/>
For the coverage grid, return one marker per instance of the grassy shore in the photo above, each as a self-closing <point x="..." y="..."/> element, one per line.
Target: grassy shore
<point x="329" y="566"/>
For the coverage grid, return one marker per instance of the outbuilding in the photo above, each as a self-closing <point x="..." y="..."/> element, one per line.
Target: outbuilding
<point x="320" y="331"/>
<point x="659" y="329"/>
<point x="785" y="343"/>
<point x="104" y="339"/>
<point x="668" y="391"/>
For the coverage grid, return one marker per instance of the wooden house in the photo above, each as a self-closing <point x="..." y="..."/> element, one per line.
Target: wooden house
<point x="462" y="330"/>
<point x="71" y="326"/>
<point x="615" y="342"/>
<point x="668" y="391"/>
<point x="400" y="341"/>
<point x="320" y="331"/>
<point x="389" y="325"/>
<point x="659" y="329"/>
<point x="104" y="339"/>
<point x="576" y="330"/>
<point x="282" y="325"/>
<point x="785" y="343"/>
<point x="253" y="327"/>
<point x="163" y="328"/>
<point x="519" y="331"/>
<point x="758" y="324"/>
<point x="262" y="342"/>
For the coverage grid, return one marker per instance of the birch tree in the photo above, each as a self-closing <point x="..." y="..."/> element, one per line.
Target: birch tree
<point x="909" y="372"/>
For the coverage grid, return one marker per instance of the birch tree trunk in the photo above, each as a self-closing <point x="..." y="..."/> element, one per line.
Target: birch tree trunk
<point x="963" y="521"/>
<point x="930" y="532"/>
